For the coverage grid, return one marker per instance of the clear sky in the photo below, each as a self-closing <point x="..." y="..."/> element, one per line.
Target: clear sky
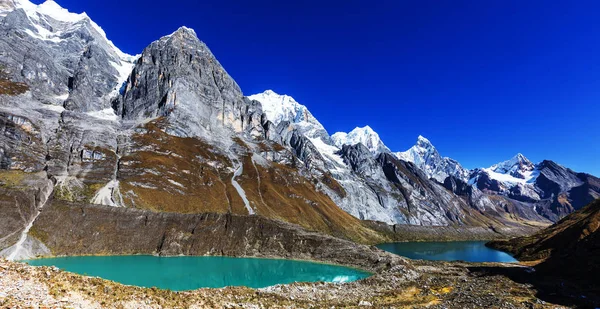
<point x="482" y="80"/>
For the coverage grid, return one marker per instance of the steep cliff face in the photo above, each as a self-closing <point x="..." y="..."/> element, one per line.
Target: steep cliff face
<point x="179" y="78"/>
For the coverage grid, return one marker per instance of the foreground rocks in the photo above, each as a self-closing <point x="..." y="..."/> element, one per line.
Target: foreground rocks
<point x="424" y="285"/>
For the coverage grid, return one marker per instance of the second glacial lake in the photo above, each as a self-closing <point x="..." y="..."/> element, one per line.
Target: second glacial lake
<point x="470" y="251"/>
<point x="193" y="272"/>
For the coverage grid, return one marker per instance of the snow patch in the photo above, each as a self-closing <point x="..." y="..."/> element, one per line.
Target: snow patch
<point x="176" y="183"/>
<point x="62" y="97"/>
<point x="239" y="188"/>
<point x="105" y="196"/>
<point x="530" y="177"/>
<point x="51" y="9"/>
<point x="54" y="108"/>
<point x="328" y="151"/>
<point x="105" y="114"/>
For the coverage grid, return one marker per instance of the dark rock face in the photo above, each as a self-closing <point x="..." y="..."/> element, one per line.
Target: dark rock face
<point x="456" y="185"/>
<point x="89" y="229"/>
<point x="414" y="186"/>
<point x="359" y="158"/>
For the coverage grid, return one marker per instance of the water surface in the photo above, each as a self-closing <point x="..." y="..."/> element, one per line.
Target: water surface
<point x="193" y="272"/>
<point x="470" y="251"/>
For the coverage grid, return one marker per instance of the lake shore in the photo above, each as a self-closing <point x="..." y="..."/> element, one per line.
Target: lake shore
<point x="418" y="284"/>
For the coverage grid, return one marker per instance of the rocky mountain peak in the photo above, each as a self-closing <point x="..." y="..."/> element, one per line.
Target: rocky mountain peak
<point x="282" y="109"/>
<point x="424" y="142"/>
<point x="518" y="166"/>
<point x="365" y="135"/>
<point x="425" y="156"/>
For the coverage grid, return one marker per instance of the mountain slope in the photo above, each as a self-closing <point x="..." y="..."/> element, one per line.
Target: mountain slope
<point x="568" y="252"/>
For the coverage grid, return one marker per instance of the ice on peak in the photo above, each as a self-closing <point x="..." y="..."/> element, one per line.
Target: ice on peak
<point x="425" y="156"/>
<point x="518" y="167"/>
<point x="363" y="135"/>
<point x="423" y="139"/>
<point x="518" y="161"/>
<point x="184" y="30"/>
<point x="280" y="107"/>
<point x="50" y="10"/>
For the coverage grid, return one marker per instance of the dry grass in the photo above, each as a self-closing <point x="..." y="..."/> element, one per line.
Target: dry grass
<point x="11" y="178"/>
<point x="285" y="195"/>
<point x="174" y="174"/>
<point x="8" y="87"/>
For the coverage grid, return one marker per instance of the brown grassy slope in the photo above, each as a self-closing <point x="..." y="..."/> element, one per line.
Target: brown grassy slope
<point x="165" y="173"/>
<point x="285" y="195"/>
<point x="566" y="255"/>
<point x="174" y="174"/>
<point x="573" y="235"/>
<point x="8" y="87"/>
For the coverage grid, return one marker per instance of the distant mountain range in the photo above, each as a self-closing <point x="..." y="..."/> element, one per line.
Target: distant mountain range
<point x="170" y="131"/>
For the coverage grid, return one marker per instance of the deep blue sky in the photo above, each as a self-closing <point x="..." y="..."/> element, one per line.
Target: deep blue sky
<point x="482" y="80"/>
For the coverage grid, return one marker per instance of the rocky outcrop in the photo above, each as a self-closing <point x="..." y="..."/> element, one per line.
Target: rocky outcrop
<point x="179" y="78"/>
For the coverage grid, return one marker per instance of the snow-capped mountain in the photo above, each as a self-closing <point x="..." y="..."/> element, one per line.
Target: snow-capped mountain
<point x="518" y="167"/>
<point x="71" y="42"/>
<point x="281" y="108"/>
<point x="364" y="135"/>
<point x="424" y="155"/>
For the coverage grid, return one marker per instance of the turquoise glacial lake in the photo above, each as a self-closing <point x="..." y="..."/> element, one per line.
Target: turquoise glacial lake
<point x="193" y="272"/>
<point x="470" y="251"/>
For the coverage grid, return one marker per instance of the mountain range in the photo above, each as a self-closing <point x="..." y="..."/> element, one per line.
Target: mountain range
<point x="169" y="131"/>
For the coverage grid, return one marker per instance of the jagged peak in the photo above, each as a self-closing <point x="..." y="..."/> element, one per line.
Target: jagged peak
<point x="520" y="157"/>
<point x="424" y="142"/>
<point x="185" y="30"/>
<point x="182" y="32"/>
<point x="281" y="107"/>
<point x="40" y="14"/>
<point x="364" y="135"/>
<point x="50" y="8"/>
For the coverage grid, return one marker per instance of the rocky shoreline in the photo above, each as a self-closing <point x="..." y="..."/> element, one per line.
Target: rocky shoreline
<point x="418" y="284"/>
